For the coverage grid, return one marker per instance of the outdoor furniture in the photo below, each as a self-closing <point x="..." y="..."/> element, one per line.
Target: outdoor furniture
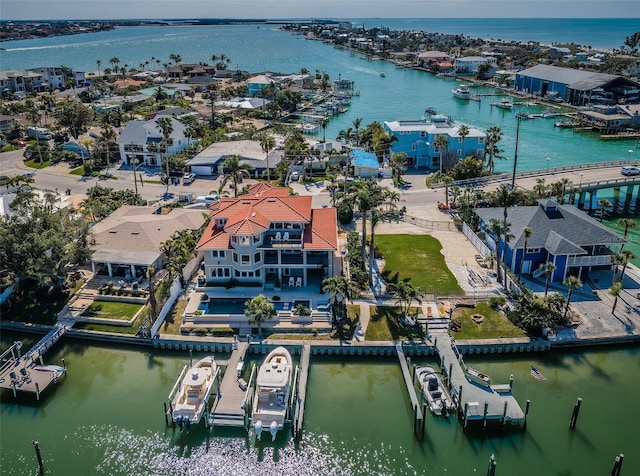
<point x="286" y="236"/>
<point x="429" y="311"/>
<point x="291" y="282"/>
<point x="298" y="282"/>
<point x="278" y="236"/>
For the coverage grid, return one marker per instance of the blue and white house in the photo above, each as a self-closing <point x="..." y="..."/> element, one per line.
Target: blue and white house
<point x="561" y="234"/>
<point x="142" y="140"/>
<point x="417" y="139"/>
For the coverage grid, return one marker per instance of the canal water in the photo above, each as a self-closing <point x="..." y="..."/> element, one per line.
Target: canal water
<point x="106" y="418"/>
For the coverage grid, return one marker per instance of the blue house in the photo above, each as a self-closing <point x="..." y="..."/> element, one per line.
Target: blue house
<point x="417" y="140"/>
<point x="560" y="234"/>
<point x="365" y="164"/>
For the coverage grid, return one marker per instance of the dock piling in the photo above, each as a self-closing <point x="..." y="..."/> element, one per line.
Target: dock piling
<point x="166" y="419"/>
<point x="424" y="418"/>
<point x="511" y="383"/>
<point x="13" y="388"/>
<point x="36" y="446"/>
<point x="526" y="412"/>
<point x="617" y="465"/>
<point x="449" y="384"/>
<point x="504" y="414"/>
<point x="415" y="419"/>
<point x="63" y="364"/>
<point x="576" y="412"/>
<point x="491" y="471"/>
<point x="37" y="391"/>
<point x="484" y="415"/>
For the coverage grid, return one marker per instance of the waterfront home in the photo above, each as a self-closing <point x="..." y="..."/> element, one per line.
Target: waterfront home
<point x="417" y="139"/>
<point x="209" y="161"/>
<point x="128" y="241"/>
<point x="143" y="141"/>
<point x="577" y="87"/>
<point x="257" y="83"/>
<point x="6" y="122"/>
<point x="22" y="82"/>
<point x="611" y="119"/>
<point x="561" y="234"/>
<point x="469" y="64"/>
<point x="270" y="237"/>
<point x="365" y="164"/>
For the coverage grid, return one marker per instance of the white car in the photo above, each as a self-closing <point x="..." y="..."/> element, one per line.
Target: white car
<point x="630" y="170"/>
<point x="207" y="199"/>
<point x="188" y="178"/>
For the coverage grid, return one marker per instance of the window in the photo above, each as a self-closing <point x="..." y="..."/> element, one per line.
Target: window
<point x="256" y="257"/>
<point x="217" y="254"/>
<point x="235" y="257"/>
<point x="246" y="259"/>
<point x="220" y="273"/>
<point x="480" y="140"/>
<point x="222" y="254"/>
<point x="459" y="152"/>
<point x="423" y="133"/>
<point x="533" y="250"/>
<point x="245" y="240"/>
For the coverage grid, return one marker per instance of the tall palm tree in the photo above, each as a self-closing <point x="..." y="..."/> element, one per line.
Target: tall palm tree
<point x="540" y="187"/>
<point x="259" y="310"/>
<point x="572" y="283"/>
<point x="344" y="135"/>
<point x="628" y="255"/>
<point x="526" y="232"/>
<point x="548" y="269"/>
<point x="405" y="293"/>
<point x="324" y="122"/>
<point x="356" y="125"/>
<point x="494" y="135"/>
<point x="340" y="289"/>
<point x="368" y="196"/>
<point x="378" y="215"/>
<point x="232" y="171"/>
<point x="495" y="228"/>
<point x="109" y="136"/>
<point x="441" y="144"/>
<point x="604" y="204"/>
<point x="114" y="62"/>
<point x="446" y="180"/>
<point x="463" y="131"/>
<point x="98" y="63"/>
<point x="166" y="128"/>
<point x="626" y="223"/>
<point x="267" y="143"/>
<point x="615" y="291"/>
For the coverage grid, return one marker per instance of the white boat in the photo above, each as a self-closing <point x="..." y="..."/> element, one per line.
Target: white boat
<point x="434" y="391"/>
<point x="271" y="399"/>
<point x="310" y="128"/>
<point x="54" y="370"/>
<point x="195" y="384"/>
<point x="382" y="75"/>
<point x="475" y="376"/>
<point x="462" y="92"/>
<point x="503" y="103"/>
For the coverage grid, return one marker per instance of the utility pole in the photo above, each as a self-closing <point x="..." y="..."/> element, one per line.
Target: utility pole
<point x="515" y="155"/>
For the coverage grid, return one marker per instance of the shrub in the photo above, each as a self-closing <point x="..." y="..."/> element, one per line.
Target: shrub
<point x="497" y="301"/>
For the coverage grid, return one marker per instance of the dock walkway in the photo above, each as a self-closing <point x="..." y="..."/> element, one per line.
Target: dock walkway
<point x="302" y="389"/>
<point x="227" y="409"/>
<point x="415" y="402"/>
<point x="475" y="401"/>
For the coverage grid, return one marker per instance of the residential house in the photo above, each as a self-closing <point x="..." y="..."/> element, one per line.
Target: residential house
<point x="128" y="242"/>
<point x="14" y="81"/>
<point x="257" y="83"/>
<point x="209" y="161"/>
<point x="53" y="76"/>
<point x="561" y="234"/>
<point x="270" y="237"/>
<point x="142" y="140"/>
<point x="469" y="64"/>
<point x="611" y="119"/>
<point x="365" y="164"/>
<point x="6" y="123"/>
<point x="417" y="139"/>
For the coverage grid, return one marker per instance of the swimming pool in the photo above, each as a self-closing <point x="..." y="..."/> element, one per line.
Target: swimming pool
<point x="236" y="305"/>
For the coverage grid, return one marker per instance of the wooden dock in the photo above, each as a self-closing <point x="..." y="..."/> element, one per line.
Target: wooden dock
<point x="474" y="401"/>
<point x="301" y="390"/>
<point x="20" y="374"/>
<point x="418" y="414"/>
<point x="230" y="405"/>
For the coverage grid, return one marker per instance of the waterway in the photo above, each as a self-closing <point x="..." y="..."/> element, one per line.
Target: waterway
<point x="106" y="418"/>
<point x="401" y="94"/>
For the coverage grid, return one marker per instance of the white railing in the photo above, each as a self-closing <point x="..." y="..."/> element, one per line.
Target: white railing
<point x="475" y="240"/>
<point x="599" y="260"/>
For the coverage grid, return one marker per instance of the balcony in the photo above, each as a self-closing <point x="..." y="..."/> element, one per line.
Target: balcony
<point x="581" y="261"/>
<point x="283" y="241"/>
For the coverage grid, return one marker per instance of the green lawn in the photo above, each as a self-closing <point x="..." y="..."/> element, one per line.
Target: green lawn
<point x="494" y="325"/>
<point x="78" y="171"/>
<point x="418" y="258"/>
<point x="129" y="330"/>
<point x="122" y="311"/>
<point x="384" y="325"/>
<point x="35" y="163"/>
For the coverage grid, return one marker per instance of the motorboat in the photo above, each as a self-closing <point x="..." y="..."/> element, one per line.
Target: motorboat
<point x="565" y="124"/>
<point x="462" y="92"/>
<point x="271" y="398"/>
<point x="503" y="103"/>
<point x="55" y="371"/>
<point x="478" y="377"/>
<point x="434" y="391"/>
<point x="382" y="75"/>
<point x="193" y="391"/>
<point x="430" y="110"/>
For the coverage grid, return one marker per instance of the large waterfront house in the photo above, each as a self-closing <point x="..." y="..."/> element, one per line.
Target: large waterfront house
<point x="468" y="65"/>
<point x="577" y="87"/>
<point x="257" y="83"/>
<point x="142" y="140"/>
<point x="561" y="234"/>
<point x="128" y="241"/>
<point x="270" y="237"/>
<point x="417" y="139"/>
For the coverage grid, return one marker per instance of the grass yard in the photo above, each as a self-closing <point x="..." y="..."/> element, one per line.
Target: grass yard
<point x="128" y="330"/>
<point x="35" y="163"/>
<point x="173" y="321"/>
<point x="417" y="258"/>
<point x="122" y="311"/>
<point x="384" y="325"/>
<point x="494" y="325"/>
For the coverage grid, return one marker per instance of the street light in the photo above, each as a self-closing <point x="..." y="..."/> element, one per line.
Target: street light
<point x="630" y="152"/>
<point x="548" y="159"/>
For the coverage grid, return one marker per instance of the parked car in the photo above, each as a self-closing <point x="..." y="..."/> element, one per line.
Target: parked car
<point x="188" y="178"/>
<point x="630" y="170"/>
<point x="207" y="199"/>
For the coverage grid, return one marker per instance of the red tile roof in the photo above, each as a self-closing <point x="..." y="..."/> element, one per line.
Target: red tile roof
<point x="214" y="239"/>
<point x="247" y="222"/>
<point x="323" y="232"/>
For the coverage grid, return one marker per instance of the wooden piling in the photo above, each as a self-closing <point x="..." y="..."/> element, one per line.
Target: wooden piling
<point x="484" y="415"/>
<point x="504" y="414"/>
<point x="511" y="383"/>
<point x="574" y="415"/>
<point x="526" y="412"/>
<point x="491" y="471"/>
<point x="459" y="398"/>
<point x="37" y="391"/>
<point x="36" y="446"/>
<point x="449" y="384"/>
<point x="13" y="388"/>
<point x="63" y="364"/>
<point x="413" y="378"/>
<point x="617" y="465"/>
<point x="190" y="358"/>
<point x="415" y="419"/>
<point x="464" y="416"/>
<point x="166" y="420"/>
<point x="424" y="418"/>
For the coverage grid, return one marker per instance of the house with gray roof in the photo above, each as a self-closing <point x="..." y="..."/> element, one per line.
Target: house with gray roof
<point x="578" y="87"/>
<point x="561" y="234"/>
<point x="142" y="140"/>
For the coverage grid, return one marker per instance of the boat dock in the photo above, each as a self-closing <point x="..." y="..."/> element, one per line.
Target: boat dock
<point x="418" y="413"/>
<point x="474" y="400"/>
<point x="19" y="374"/>
<point x="233" y="399"/>
<point x="300" y="390"/>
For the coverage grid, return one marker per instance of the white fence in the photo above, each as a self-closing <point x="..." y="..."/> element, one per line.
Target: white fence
<point x="174" y="292"/>
<point x="475" y="240"/>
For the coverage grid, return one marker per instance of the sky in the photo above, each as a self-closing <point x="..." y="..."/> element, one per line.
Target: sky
<point x="283" y="9"/>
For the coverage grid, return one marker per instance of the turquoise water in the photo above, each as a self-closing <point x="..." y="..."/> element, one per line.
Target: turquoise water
<point x="106" y="418"/>
<point x="401" y="94"/>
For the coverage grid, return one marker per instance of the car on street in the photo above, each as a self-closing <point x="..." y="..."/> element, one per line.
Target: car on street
<point x="188" y="178"/>
<point x="630" y="170"/>
<point x="207" y="199"/>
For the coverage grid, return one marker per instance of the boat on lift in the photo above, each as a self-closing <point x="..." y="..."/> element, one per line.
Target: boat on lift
<point x="434" y="391"/>
<point x="195" y="383"/>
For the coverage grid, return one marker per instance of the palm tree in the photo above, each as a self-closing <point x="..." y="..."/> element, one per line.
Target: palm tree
<point x="114" y="62"/>
<point x="344" y="135"/>
<point x="368" y="196"/>
<point x="166" y="127"/>
<point x="540" y="187"/>
<point x="356" y="125"/>
<point x="463" y="131"/>
<point x="604" y="203"/>
<point x="626" y="223"/>
<point x="232" y="171"/>
<point x="494" y="135"/>
<point x="259" y="310"/>
<point x="341" y="289"/>
<point x="441" y="144"/>
<point x="405" y="293"/>
<point x="109" y="135"/>
<point x="495" y="228"/>
<point x="628" y="255"/>
<point x="398" y="164"/>
<point x="267" y="143"/>
<point x="573" y="283"/>
<point x="616" y="260"/>
<point x="615" y="291"/>
<point x="324" y="122"/>
<point x="446" y="180"/>
<point x="526" y="232"/>
<point x="98" y="63"/>
<point x="548" y="269"/>
<point x="378" y="215"/>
